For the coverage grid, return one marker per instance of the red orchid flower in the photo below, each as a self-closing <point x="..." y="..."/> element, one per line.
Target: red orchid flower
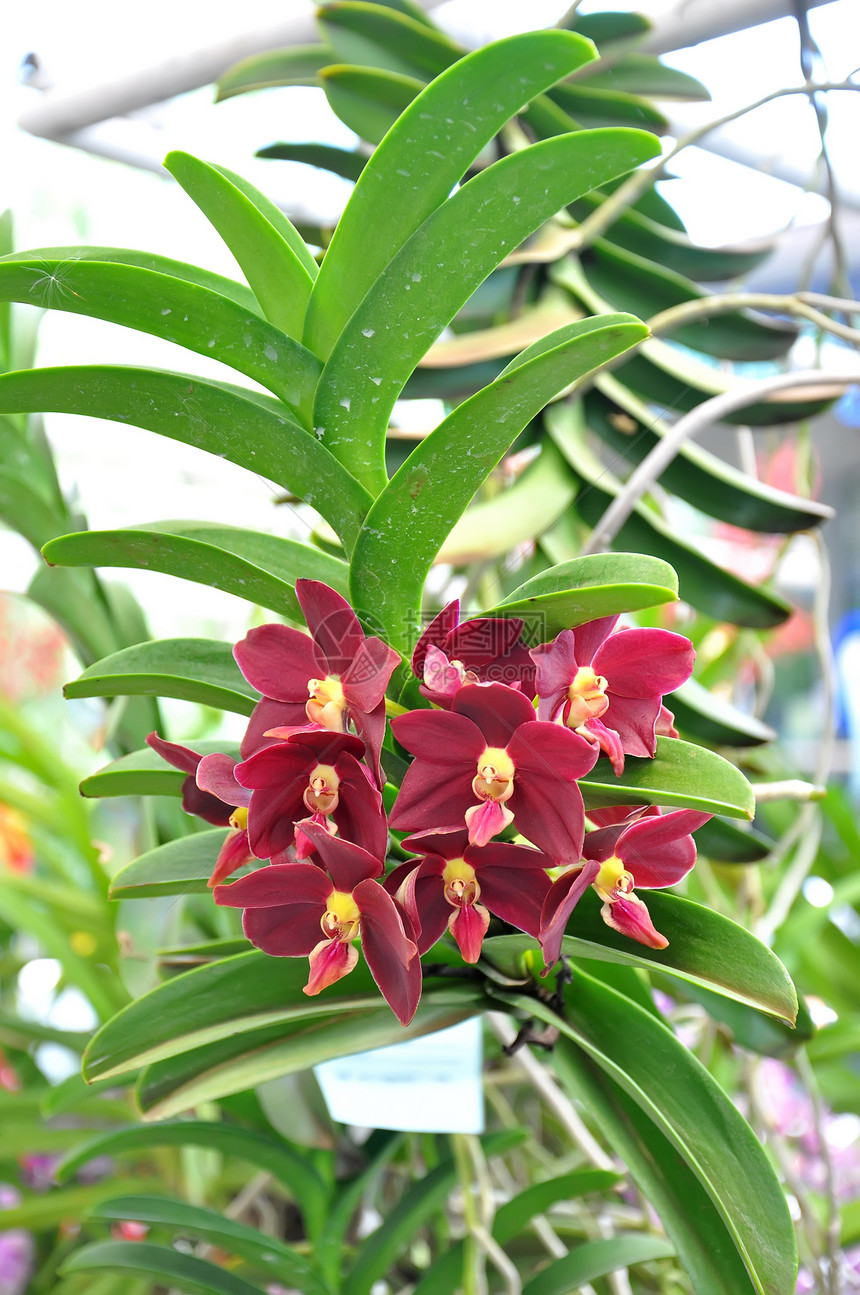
<point x="442" y="888"/>
<point x="484" y="650"/>
<point x="609" y="687"/>
<point x="329" y="680"/>
<point x="298" y="910"/>
<point x="488" y="762"/>
<point x="314" y="777"/>
<point x="645" y="848"/>
<point x="216" y="797"/>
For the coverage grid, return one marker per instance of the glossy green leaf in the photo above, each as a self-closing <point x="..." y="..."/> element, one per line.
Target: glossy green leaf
<point x="286" y="1166"/>
<point x="688" y="1214"/>
<point x="340" y="161"/>
<point x="251" y="430"/>
<point x="497" y="525"/>
<point x="143" y="773"/>
<point x="726" y="842"/>
<point x="679" y="1095"/>
<point x="417" y="1204"/>
<point x="234" y="1064"/>
<point x="427" y="281"/>
<point x="265" y="1252"/>
<point x="434" y="142"/>
<point x="585" y="589"/>
<point x="605" y="107"/>
<point x="383" y="38"/>
<point x="644" y="74"/>
<point x="259" y="568"/>
<point x="177" y="310"/>
<point x="704" y="948"/>
<point x="449" y="465"/>
<point x="166" y="1266"/>
<point x="176" y="868"/>
<point x="294" y="66"/>
<point x="277" y="271"/>
<point x="40" y="1211"/>
<point x="608" y="28"/>
<point x="680" y="774"/>
<point x="702" y="583"/>
<point x="711" y="718"/>
<point x="512" y="1218"/>
<point x="200" y="670"/>
<point x="629" y="282"/>
<point x="368" y="100"/>
<point x="596" y="1259"/>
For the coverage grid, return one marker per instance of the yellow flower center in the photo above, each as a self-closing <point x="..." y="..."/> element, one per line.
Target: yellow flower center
<point x="587" y="697"/>
<point x="341" y="919"/>
<point x="239" y="817"/>
<point x="326" y="704"/>
<point x="321" y="794"/>
<point x="495" y="778"/>
<point x="461" y="884"/>
<point x="613" y="880"/>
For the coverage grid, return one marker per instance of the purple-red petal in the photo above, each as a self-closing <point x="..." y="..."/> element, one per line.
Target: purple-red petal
<point x="391" y="956"/>
<point x="563" y="896"/>
<point x="498" y="711"/>
<point x="216" y="774"/>
<point x="278" y="661"/>
<point x="332" y="622"/>
<point x="645" y="662"/>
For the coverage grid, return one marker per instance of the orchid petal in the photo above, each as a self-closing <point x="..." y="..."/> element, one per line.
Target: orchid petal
<point x="480" y="641"/>
<point x="433" y="797"/>
<point x="629" y="916"/>
<point x="590" y="636"/>
<point x="370" y="726"/>
<point x="234" y="854"/>
<point x="280" y="885"/>
<point x="498" y="711"/>
<point x="563" y="897"/>
<point x="216" y="774"/>
<point x="332" y="622"/>
<point x="181" y="757"/>
<point x="440" y="737"/>
<point x="347" y="864"/>
<point x="487" y="820"/>
<point x="634" y="719"/>
<point x="556" y="666"/>
<point x="468" y="925"/>
<point x="278" y="661"/>
<point x="645" y="662"/>
<point x="435" y="633"/>
<point x="660" y="851"/>
<point x="204" y="805"/>
<point x="268" y="715"/>
<point x="330" y="961"/>
<point x="516" y="900"/>
<point x="366" y="677"/>
<point x="391" y="956"/>
<point x="607" y="741"/>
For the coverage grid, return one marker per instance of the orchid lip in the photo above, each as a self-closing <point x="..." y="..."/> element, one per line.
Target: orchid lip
<point x="613" y="880"/>
<point x="321" y="794"/>
<point x="341" y="919"/>
<point x="495" y="776"/>
<point x="461" y="884"/>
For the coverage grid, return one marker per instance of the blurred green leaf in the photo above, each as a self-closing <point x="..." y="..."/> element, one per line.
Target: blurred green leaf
<point x="642" y="74"/>
<point x="704" y="948"/>
<point x="272" y="254"/>
<point x="296" y="66"/>
<point x="594" y="1259"/>
<point x="449" y="465"/>
<point x="726" y="842"/>
<point x="259" y="568"/>
<point x="455" y="116"/>
<point x="340" y="161"/>
<point x="167" y="1266"/>
<point x="711" y="718"/>
<point x="265" y="1252"/>
<point x="383" y="38"/>
<point x="604" y="107"/>
<point x="368" y="100"/>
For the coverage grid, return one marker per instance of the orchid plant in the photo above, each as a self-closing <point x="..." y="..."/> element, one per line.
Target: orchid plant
<point x="486" y="787"/>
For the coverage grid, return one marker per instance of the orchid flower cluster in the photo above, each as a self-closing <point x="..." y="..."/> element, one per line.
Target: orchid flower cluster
<point x="491" y="806"/>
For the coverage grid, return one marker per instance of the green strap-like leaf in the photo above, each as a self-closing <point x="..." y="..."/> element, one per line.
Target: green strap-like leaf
<point x="167" y="1266"/>
<point x="678" y="1094"/>
<point x="288" y="1167"/>
<point x="687" y="1212"/>
<point x="434" y="142"/>
<point x="680" y="774"/>
<point x="279" y="275"/>
<point x="422" y="288"/>
<point x="382" y="38"/>
<point x="176" y="868"/>
<point x="26" y="510"/>
<point x="435" y="484"/>
<point x="704" y="948"/>
<point x="709" y="717"/>
<point x="234" y="1064"/>
<point x="629" y="427"/>
<point x="584" y="589"/>
<point x="200" y="670"/>
<point x="702" y="583"/>
<point x="728" y="843"/>
<point x="596" y="1259"/>
<point x="340" y="161"/>
<point x="266" y="1253"/>
<point x="144" y="773"/>
<point x="416" y="1205"/>
<point x="246" y="563"/>
<point x="295" y="66"/>
<point x="644" y="74"/>
<point x="603" y="107"/>
<point x="368" y="100"/>
<point x="177" y="310"/>
<point x="242" y="426"/>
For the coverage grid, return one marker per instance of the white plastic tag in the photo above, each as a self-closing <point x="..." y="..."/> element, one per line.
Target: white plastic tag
<point x="428" y="1085"/>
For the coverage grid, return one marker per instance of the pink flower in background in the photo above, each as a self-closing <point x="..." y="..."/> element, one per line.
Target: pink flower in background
<point x="333" y="678"/>
<point x="609" y="687"/>
<point x="645" y="848"/>
<point x="484" y="650"/>
<point x="299" y="910"/>
<point x="490" y="748"/>
<point x="455" y="886"/>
